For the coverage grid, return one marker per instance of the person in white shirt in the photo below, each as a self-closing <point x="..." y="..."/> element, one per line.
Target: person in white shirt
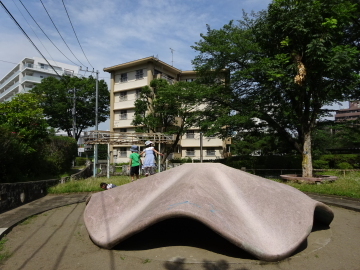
<point x="107" y="186"/>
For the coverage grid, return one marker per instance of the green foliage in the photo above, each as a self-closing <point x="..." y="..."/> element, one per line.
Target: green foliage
<point x="12" y="155"/>
<point x="59" y="154"/>
<point x="264" y="162"/>
<point x="345" y="166"/>
<point x="80" y="161"/>
<point x="321" y="164"/>
<point x="341" y="161"/>
<point x="23" y="116"/>
<point x="285" y="64"/>
<point x="330" y="136"/>
<point x="58" y="102"/>
<point x="167" y="108"/>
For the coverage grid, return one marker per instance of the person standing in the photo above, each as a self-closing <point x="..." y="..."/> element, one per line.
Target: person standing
<point x="135" y="162"/>
<point x="149" y="162"/>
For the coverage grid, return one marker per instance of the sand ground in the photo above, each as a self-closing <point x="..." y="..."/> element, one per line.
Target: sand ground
<point x="58" y="239"/>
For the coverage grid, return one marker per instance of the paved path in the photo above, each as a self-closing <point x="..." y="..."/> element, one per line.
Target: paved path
<point x="58" y="239"/>
<point x="14" y="216"/>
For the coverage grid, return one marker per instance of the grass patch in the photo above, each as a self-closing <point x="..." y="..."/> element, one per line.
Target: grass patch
<point x="88" y="185"/>
<point x="347" y="185"/>
<point x="28" y="220"/>
<point x="4" y="254"/>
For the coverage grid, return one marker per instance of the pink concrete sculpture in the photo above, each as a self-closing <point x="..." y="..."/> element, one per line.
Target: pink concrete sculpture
<point x="267" y="219"/>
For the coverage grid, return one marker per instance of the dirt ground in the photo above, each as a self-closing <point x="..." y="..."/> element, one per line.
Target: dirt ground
<point x="58" y="239"/>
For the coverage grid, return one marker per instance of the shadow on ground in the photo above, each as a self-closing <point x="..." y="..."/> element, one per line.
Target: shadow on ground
<point x="182" y="232"/>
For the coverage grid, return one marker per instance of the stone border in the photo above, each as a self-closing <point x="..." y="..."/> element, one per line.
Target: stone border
<point x="297" y="178"/>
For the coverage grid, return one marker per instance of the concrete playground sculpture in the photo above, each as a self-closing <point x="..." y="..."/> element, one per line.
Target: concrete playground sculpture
<point x="269" y="220"/>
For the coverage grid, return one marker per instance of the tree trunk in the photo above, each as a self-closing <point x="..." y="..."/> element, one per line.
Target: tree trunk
<point x="307" y="160"/>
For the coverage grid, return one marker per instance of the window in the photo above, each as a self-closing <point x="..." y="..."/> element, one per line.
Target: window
<point x="42" y="66"/>
<point x="210" y="152"/>
<point x="123" y="115"/>
<point x="123" y="130"/>
<point x="139" y="74"/>
<point x="189" y="80"/>
<point x="137" y="93"/>
<point x="190" y="134"/>
<point x="123" y="77"/>
<point x="123" y="152"/>
<point x="190" y="152"/>
<point x="123" y="96"/>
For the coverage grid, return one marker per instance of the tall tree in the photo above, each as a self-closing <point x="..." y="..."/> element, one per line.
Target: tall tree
<point x="167" y="108"/>
<point x="24" y="117"/>
<point x="62" y="96"/>
<point x="24" y="132"/>
<point x="285" y="65"/>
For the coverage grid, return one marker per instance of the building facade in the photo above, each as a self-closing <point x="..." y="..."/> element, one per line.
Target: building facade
<point x="29" y="72"/>
<point x="352" y="113"/>
<point x="126" y="83"/>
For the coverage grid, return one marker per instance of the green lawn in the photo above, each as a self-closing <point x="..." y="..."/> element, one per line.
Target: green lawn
<point x="347" y="185"/>
<point x="88" y="185"/>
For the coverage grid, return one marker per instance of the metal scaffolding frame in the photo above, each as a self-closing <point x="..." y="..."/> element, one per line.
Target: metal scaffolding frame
<point x="125" y="138"/>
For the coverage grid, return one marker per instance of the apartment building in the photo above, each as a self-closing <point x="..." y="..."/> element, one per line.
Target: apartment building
<point x="29" y="72"/>
<point x="126" y="82"/>
<point x="352" y="113"/>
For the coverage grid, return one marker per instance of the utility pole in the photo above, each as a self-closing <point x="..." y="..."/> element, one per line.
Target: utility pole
<point x="96" y="116"/>
<point x="74" y="114"/>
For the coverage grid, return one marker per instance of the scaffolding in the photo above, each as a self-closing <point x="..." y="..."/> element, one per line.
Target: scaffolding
<point x="125" y="138"/>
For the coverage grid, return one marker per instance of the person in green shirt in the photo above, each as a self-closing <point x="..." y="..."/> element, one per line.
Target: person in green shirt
<point x="135" y="163"/>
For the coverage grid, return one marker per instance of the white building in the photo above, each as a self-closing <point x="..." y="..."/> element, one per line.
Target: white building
<point x="126" y="83"/>
<point x="29" y="72"/>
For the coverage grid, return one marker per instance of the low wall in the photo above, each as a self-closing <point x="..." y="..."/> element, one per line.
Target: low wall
<point x="16" y="194"/>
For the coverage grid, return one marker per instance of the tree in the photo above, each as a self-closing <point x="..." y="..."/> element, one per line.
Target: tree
<point x="24" y="117"/>
<point x="58" y="102"/>
<point x="23" y="134"/>
<point x="167" y="108"/>
<point x="285" y="65"/>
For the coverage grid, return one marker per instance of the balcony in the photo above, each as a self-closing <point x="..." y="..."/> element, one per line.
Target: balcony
<point x="32" y="79"/>
<point x="7" y="92"/>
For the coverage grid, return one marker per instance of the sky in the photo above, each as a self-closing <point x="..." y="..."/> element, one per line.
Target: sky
<point x="113" y="32"/>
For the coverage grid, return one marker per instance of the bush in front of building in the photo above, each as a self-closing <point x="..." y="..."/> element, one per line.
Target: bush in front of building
<point x="60" y="151"/>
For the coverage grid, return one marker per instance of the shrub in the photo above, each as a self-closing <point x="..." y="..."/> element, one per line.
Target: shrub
<point x="59" y="154"/>
<point x="344" y="166"/>
<point x="80" y="161"/>
<point x="321" y="164"/>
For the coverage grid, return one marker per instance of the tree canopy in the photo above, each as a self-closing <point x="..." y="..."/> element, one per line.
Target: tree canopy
<point x="167" y="108"/>
<point x="23" y="117"/>
<point x="285" y="64"/>
<point x="58" y="102"/>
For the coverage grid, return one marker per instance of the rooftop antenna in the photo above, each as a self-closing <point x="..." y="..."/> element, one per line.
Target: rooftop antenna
<point x="172" y="57"/>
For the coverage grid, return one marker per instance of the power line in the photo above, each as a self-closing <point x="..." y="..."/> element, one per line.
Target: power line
<point x="33" y="31"/>
<point x="12" y="17"/>
<point x="47" y="35"/>
<point x="8" y="62"/>
<point x="75" y="34"/>
<point x="59" y="33"/>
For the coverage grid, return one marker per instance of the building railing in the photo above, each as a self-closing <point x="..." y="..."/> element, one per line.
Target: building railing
<point x="8" y="90"/>
<point x="5" y="82"/>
